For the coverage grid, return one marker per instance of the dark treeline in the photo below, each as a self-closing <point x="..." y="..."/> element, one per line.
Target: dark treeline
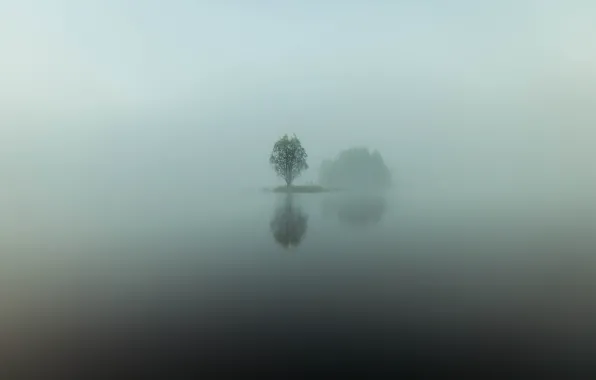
<point x="355" y="168"/>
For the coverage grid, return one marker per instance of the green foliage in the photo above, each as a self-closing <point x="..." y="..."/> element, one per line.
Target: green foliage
<point x="355" y="168"/>
<point x="288" y="158"/>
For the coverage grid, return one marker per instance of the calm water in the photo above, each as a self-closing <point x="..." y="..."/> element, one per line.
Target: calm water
<point x="328" y="280"/>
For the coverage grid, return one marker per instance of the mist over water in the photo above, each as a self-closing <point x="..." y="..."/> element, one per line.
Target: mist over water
<point x="135" y="145"/>
<point x="245" y="271"/>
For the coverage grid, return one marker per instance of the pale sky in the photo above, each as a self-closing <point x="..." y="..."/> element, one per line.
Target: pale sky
<point x="502" y="91"/>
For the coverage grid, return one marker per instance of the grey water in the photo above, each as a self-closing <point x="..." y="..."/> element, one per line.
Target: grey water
<point x="243" y="271"/>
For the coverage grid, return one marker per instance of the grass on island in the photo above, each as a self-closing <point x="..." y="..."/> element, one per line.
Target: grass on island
<point x="301" y="189"/>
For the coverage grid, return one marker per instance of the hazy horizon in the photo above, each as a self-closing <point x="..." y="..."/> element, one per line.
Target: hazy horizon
<point x="136" y="136"/>
<point x="502" y="93"/>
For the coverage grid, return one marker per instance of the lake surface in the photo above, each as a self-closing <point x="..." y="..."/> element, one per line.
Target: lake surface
<point x="242" y="280"/>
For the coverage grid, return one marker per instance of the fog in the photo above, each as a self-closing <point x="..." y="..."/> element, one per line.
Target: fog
<point x="123" y="120"/>
<point x="501" y="95"/>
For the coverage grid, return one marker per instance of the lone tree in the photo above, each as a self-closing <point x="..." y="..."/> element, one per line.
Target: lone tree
<point x="288" y="158"/>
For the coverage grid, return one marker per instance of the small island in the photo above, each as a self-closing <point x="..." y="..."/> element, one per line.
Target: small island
<point x="301" y="189"/>
<point x="355" y="168"/>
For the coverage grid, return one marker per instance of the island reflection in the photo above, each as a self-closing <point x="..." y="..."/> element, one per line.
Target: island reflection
<point x="355" y="210"/>
<point x="289" y="223"/>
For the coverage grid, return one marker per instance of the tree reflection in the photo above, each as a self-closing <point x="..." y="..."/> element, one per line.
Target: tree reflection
<point x="353" y="210"/>
<point x="289" y="223"/>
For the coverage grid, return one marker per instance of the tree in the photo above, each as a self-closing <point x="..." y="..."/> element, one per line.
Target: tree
<point x="288" y="158"/>
<point x="355" y="168"/>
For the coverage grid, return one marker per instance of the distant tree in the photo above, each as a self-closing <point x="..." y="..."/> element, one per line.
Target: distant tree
<point x="355" y="168"/>
<point x="288" y="158"/>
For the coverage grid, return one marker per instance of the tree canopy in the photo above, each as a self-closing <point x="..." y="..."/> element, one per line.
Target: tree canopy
<point x="288" y="158"/>
<point x="355" y="168"/>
